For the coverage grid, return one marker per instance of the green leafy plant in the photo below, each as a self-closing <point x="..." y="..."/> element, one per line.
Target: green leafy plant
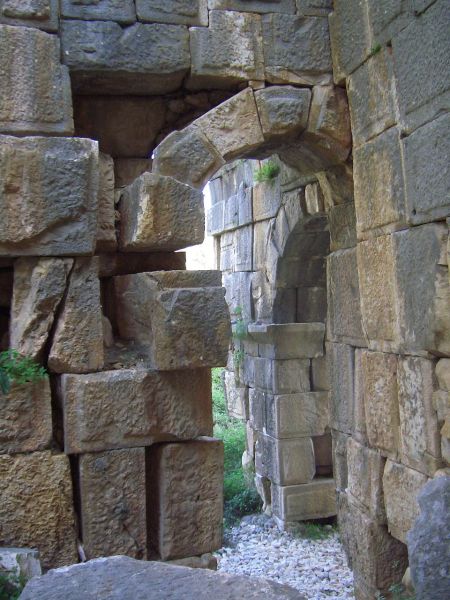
<point x="11" y="585"/>
<point x="15" y="368"/>
<point x="375" y="49"/>
<point x="267" y="173"/>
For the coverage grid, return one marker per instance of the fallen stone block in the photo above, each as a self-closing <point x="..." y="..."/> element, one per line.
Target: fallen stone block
<point x="133" y="408"/>
<point x="160" y="213"/>
<point x="285" y="462"/>
<point x="49" y="201"/>
<point x="315" y="500"/>
<point x="42" y="14"/>
<point x="36" y="506"/>
<point x="39" y="101"/>
<point x="186" y="481"/>
<point x="113" y="503"/>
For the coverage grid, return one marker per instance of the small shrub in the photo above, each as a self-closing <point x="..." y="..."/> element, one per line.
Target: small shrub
<point x="11" y="585"/>
<point x="15" y="368"/>
<point x="267" y="173"/>
<point x="375" y="49"/>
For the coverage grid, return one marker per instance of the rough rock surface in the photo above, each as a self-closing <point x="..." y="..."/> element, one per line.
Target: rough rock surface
<point x="122" y="578"/>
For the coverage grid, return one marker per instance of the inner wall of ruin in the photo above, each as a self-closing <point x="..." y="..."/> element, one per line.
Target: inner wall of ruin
<point x="113" y="117"/>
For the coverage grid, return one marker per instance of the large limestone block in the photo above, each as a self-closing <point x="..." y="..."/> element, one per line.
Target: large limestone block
<point x="266" y="200"/>
<point x="186" y="481"/>
<point x="315" y="500"/>
<point x="285" y="462"/>
<point x="379" y="185"/>
<point x="297" y="415"/>
<point x="344" y="304"/>
<point x="339" y="455"/>
<point x="342" y="223"/>
<point x="39" y="101"/>
<point x="236" y="397"/>
<point x="188" y="156"/>
<point x="359" y="427"/>
<point x="229" y="51"/>
<point x="26" y="417"/>
<point x="381" y="401"/>
<point x="131" y="408"/>
<point x="123" y="578"/>
<point x="238" y="292"/>
<point x="186" y="318"/>
<point x="153" y="58"/>
<point x="121" y="11"/>
<point x="36" y="506"/>
<point x="282" y="111"/>
<point x="106" y="231"/>
<point x="425" y="94"/>
<point x="77" y="345"/>
<point x="419" y="429"/>
<point x="42" y="14"/>
<point x="113" y="503"/>
<point x="401" y="487"/>
<point x="427" y="173"/>
<point x="289" y="340"/>
<point x="341" y="361"/>
<point x="365" y="473"/>
<point x="160" y="213"/>
<point x="233" y="127"/>
<point x="39" y="287"/>
<point x="288" y="376"/>
<point x="371" y="97"/>
<point x="296" y="50"/>
<point x="184" y="12"/>
<point x="258" y="6"/>
<point x="49" y="196"/>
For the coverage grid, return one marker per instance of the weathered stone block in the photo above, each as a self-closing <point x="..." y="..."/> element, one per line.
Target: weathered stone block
<point x="36" y="506"/>
<point x="313" y="199"/>
<point x="290" y="340"/>
<point x="341" y="364"/>
<point x="314" y="7"/>
<point x="49" y="199"/>
<point x="282" y="111"/>
<point x="236" y="397"/>
<point x="401" y="487"/>
<point x="187" y="480"/>
<point x="339" y="455"/>
<point x="365" y="473"/>
<point x="131" y="408"/>
<point x="153" y="58"/>
<point x="113" y="503"/>
<point x="128" y="263"/>
<point x="238" y="292"/>
<point x="266" y="200"/>
<point x="419" y="441"/>
<point x="337" y="185"/>
<point x="228" y="51"/>
<point x="231" y="213"/>
<point x="106" y="231"/>
<point x="127" y="169"/>
<point x="42" y="14"/>
<point x="427" y="172"/>
<point x="258" y="6"/>
<point x="227" y="254"/>
<point x="344" y="304"/>
<point x="342" y="222"/>
<point x="379" y="185"/>
<point x="296" y="50"/>
<point x="215" y="218"/>
<point x="288" y="376"/>
<point x="315" y="500"/>
<point x="381" y="401"/>
<point x="443" y="373"/>
<point x="188" y="156"/>
<point x="258" y="401"/>
<point x="26" y="418"/>
<point x="160" y="213"/>
<point x="245" y="205"/>
<point x="187" y="316"/>
<point x="297" y="415"/>
<point x="243" y="249"/>
<point x="185" y="12"/>
<point x="359" y="429"/>
<point x="233" y="127"/>
<point x="100" y="10"/>
<point x="285" y="462"/>
<point x="77" y="345"/>
<point x="311" y="304"/>
<point x="39" y="287"/>
<point x="39" y="101"/>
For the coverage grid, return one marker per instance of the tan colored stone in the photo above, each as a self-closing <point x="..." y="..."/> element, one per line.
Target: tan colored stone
<point x="113" y="503"/>
<point x="314" y="199"/>
<point x="205" y="561"/>
<point x="236" y="397"/>
<point x="126" y="170"/>
<point x="445" y="441"/>
<point x="283" y="111"/>
<point x="285" y="462"/>
<point x="187" y="482"/>
<point x="160" y="213"/>
<point x="128" y="263"/>
<point x="39" y="101"/>
<point x="341" y="361"/>
<point x="339" y="455"/>
<point x="36" y="506"/>
<point x="48" y="200"/>
<point x="288" y="340"/>
<point x="419" y="430"/>
<point x="381" y="401"/>
<point x="106" y="231"/>
<point x="26" y="417"/>
<point x="233" y="127"/>
<point x="297" y="415"/>
<point x="315" y="500"/>
<point x="401" y="486"/>
<point x="39" y="287"/>
<point x="130" y="408"/>
<point x="78" y="340"/>
<point x="288" y="376"/>
<point x="187" y="322"/>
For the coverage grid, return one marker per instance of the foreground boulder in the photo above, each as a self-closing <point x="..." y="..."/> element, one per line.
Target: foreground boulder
<point x="123" y="578"/>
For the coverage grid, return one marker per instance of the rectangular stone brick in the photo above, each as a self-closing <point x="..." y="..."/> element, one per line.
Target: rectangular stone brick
<point x="258" y="401"/>
<point x="42" y="14"/>
<point x="342" y="222"/>
<point x="285" y="462"/>
<point x="282" y="376"/>
<point x="339" y="455"/>
<point x="129" y="408"/>
<point x="186" y="483"/>
<point x="113" y="503"/>
<point x="290" y="340"/>
<point x="236" y="397"/>
<point x="106" y="230"/>
<point x="297" y="415"/>
<point x="238" y="292"/>
<point x="36" y="506"/>
<point x="127" y="169"/>
<point x="341" y="364"/>
<point x="129" y="263"/>
<point x="258" y="6"/>
<point x="185" y="12"/>
<point x="245" y="205"/>
<point x="315" y="500"/>
<point x="311" y="304"/>
<point x="243" y="248"/>
<point x="266" y="200"/>
<point x="215" y="222"/>
<point x="121" y="11"/>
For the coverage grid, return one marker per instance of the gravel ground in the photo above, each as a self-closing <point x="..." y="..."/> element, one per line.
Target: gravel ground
<point x="317" y="568"/>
